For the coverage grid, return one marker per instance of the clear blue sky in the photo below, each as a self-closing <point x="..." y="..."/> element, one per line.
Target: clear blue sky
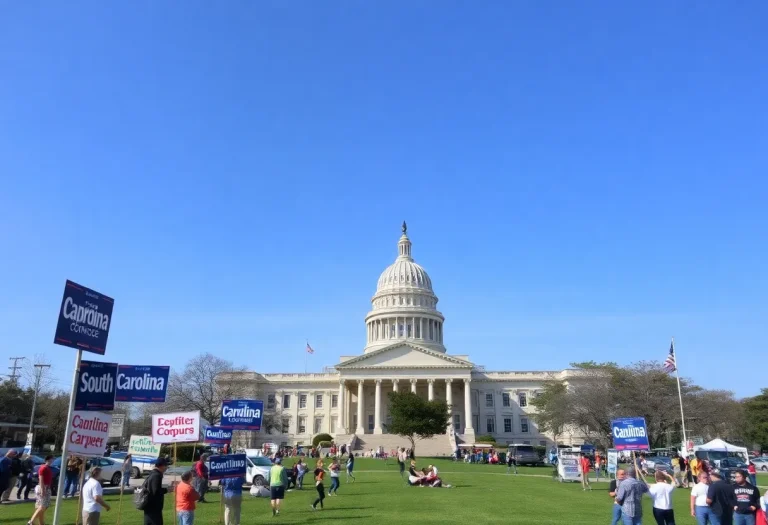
<point x="582" y="180"/>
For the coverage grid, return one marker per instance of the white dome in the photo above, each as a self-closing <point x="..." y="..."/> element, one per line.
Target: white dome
<point x="404" y="273"/>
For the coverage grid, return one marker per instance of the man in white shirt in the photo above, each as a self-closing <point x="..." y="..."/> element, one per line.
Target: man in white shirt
<point x="92" y="498"/>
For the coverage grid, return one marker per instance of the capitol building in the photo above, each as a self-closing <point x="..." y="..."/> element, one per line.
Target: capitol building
<point x="405" y="349"/>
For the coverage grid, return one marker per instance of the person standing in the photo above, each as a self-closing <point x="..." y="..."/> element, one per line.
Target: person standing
<point x="278" y="479"/>
<point x="699" y="507"/>
<point x="186" y="499"/>
<point x="661" y="492"/>
<point x="511" y="463"/>
<point x="233" y="499"/>
<point x="747" y="500"/>
<point x="335" y="469"/>
<point x="93" y="500"/>
<point x="350" y="467"/>
<point x="598" y="464"/>
<point x="43" y="491"/>
<point x="301" y="470"/>
<point x="721" y="500"/>
<point x="153" y="511"/>
<point x="127" y="468"/>
<point x="401" y="461"/>
<point x="319" y="475"/>
<point x="584" y="467"/>
<point x="10" y="468"/>
<point x="72" y="476"/>
<point x="630" y="496"/>
<point x="201" y="478"/>
<point x="25" y="478"/>
<point x="612" y="488"/>
<point x="752" y="471"/>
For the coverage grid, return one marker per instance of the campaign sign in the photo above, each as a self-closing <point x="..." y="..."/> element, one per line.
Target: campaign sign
<point x="241" y="414"/>
<point x="142" y="384"/>
<point x="568" y="466"/>
<point x="613" y="461"/>
<point x="89" y="433"/>
<point x="84" y="319"/>
<point x="630" y="433"/>
<point x="96" y="386"/>
<point x="177" y="427"/>
<point x="227" y="466"/>
<point x="217" y="435"/>
<point x="141" y="448"/>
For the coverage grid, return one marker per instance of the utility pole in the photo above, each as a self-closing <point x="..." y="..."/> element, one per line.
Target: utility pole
<point x="38" y="378"/>
<point x="14" y="375"/>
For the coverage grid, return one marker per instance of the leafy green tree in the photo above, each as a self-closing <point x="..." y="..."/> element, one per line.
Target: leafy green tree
<point x="416" y="418"/>
<point x="756" y="416"/>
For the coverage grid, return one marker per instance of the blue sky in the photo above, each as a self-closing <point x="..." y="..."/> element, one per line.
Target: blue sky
<point x="582" y="180"/>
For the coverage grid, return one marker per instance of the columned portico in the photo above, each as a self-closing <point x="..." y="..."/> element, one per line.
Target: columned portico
<point x="360" y="408"/>
<point x="340" y="417"/>
<point x="377" y="409"/>
<point x="431" y="389"/>
<point x="413" y="385"/>
<point x="468" y="407"/>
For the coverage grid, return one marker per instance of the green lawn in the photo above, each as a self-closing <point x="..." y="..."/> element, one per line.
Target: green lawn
<point x="480" y="494"/>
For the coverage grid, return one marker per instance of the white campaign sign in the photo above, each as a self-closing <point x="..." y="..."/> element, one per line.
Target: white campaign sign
<point x="142" y="446"/>
<point x="116" y="428"/>
<point x="89" y="433"/>
<point x="177" y="427"/>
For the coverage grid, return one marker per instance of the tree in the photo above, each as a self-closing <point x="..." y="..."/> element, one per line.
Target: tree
<point x="52" y="412"/>
<point x="414" y="417"/>
<point x="756" y="416"/>
<point x="196" y="388"/>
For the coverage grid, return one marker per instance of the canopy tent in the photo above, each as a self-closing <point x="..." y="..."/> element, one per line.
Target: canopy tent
<point x="718" y="445"/>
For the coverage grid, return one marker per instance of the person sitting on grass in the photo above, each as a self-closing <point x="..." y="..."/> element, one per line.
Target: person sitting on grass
<point x="414" y="476"/>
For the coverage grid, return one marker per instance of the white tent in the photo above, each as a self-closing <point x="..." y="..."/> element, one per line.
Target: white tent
<point x="718" y="445"/>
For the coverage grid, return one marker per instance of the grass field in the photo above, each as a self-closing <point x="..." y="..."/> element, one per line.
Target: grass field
<point x="480" y="494"/>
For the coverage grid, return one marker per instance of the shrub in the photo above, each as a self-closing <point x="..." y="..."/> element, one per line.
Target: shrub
<point x="324" y="444"/>
<point x="184" y="451"/>
<point x="321" y="437"/>
<point x="486" y="439"/>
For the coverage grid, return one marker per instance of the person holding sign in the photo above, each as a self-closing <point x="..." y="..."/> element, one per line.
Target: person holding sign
<point x="233" y="498"/>
<point x="630" y="496"/>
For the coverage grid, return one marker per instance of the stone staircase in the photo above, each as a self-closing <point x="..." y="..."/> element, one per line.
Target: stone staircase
<point x="437" y="446"/>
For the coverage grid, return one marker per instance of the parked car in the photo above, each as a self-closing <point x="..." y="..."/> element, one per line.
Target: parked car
<point x="111" y="469"/>
<point x="525" y="454"/>
<point x="660" y="463"/>
<point x="258" y="470"/>
<point x="761" y="463"/>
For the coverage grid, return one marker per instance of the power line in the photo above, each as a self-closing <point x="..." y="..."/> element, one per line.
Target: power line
<point x="14" y="375"/>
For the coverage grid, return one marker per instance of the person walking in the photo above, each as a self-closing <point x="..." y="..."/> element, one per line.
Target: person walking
<point x="10" y="468"/>
<point x="721" y="500"/>
<point x="612" y="488"/>
<point x="201" y="478"/>
<point x="334" y="469"/>
<point x="278" y="479"/>
<point x="584" y="468"/>
<point x="126" y="469"/>
<point x="747" y="500"/>
<point x="301" y="470"/>
<point x="25" y="478"/>
<point x="630" y="496"/>
<point x="93" y="500"/>
<point x="661" y="492"/>
<point x="72" y="476"/>
<point x="350" y="467"/>
<point x="233" y="499"/>
<point x="319" y="475"/>
<point x="511" y="463"/>
<point x="42" y="491"/>
<point x="186" y="499"/>
<point x="153" y="511"/>
<point x="699" y="507"/>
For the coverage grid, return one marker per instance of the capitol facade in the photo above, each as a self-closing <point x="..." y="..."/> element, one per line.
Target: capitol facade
<point x="405" y="349"/>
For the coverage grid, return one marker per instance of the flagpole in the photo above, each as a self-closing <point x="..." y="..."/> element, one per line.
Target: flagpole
<point x="306" y="356"/>
<point x="680" y="396"/>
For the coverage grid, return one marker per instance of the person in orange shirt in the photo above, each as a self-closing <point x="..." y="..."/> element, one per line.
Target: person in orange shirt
<point x="186" y="497"/>
<point x="585" y="466"/>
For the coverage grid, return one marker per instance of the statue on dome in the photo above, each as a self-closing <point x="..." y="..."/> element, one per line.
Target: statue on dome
<point x="405" y="227"/>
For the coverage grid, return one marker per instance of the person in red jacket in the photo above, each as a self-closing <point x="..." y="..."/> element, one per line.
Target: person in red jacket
<point x="584" y="467"/>
<point x="201" y="478"/>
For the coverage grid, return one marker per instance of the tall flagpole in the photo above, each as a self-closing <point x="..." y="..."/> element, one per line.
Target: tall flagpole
<point x="306" y="356"/>
<point x="680" y="396"/>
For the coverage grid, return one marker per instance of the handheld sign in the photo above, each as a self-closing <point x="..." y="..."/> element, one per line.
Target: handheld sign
<point x="84" y="319"/>
<point x="630" y="433"/>
<point x="241" y="414"/>
<point x="178" y="427"/>
<point x="142" y="384"/>
<point x="96" y="386"/>
<point x="217" y="435"/>
<point x="229" y="466"/>
<point x="142" y="448"/>
<point x="89" y="433"/>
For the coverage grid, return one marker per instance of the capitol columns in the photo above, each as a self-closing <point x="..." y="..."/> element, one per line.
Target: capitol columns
<point x="394" y="385"/>
<point x="431" y="389"/>
<point x="449" y="399"/>
<point x="377" y="409"/>
<point x="468" y="407"/>
<point x="413" y="385"/>
<point x="340" y="428"/>
<point x="360" y="409"/>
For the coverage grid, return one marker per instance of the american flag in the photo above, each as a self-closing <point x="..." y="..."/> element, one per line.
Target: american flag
<point x="309" y="349"/>
<point x="669" y="364"/>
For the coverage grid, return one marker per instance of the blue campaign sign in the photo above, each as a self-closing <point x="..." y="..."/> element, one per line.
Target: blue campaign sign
<point x="228" y="466"/>
<point x="84" y="319"/>
<point x="142" y="384"/>
<point x="217" y="435"/>
<point x="241" y="414"/>
<point x="630" y="433"/>
<point x="96" y="386"/>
